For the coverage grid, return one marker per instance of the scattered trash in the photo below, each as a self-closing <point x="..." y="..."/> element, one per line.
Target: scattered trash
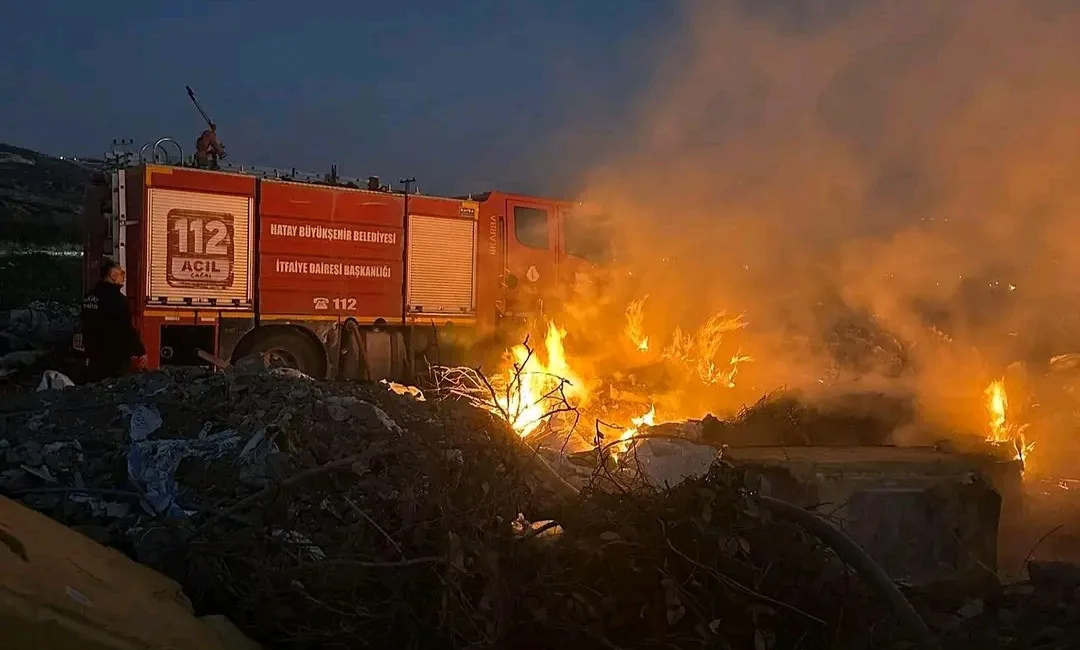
<point x="145" y="421"/>
<point x="312" y="498"/>
<point x="54" y="380"/>
<point x="666" y="463"/>
<point x="312" y="551"/>
<point x="152" y="465"/>
<point x="42" y="324"/>
<point x="13" y="361"/>
<point x="401" y="389"/>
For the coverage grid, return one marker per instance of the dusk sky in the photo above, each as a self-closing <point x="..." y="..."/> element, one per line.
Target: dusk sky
<point x="464" y="96"/>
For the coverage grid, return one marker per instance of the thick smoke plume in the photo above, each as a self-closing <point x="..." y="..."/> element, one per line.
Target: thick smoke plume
<point x="914" y="164"/>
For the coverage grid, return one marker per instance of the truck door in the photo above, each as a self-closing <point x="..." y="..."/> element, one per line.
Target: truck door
<point x="532" y="249"/>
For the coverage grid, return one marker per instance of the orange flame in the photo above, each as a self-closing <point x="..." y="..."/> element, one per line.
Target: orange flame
<point x="628" y="435"/>
<point x="997" y="403"/>
<point x="635" y="319"/>
<point x="1001" y="430"/>
<point x="534" y="389"/>
<point x="700" y="350"/>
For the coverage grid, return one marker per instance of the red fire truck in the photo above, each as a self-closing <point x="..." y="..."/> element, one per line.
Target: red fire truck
<point x="339" y="280"/>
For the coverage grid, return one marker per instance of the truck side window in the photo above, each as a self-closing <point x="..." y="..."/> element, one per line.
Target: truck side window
<point x="531" y="227"/>
<point x="586" y="238"/>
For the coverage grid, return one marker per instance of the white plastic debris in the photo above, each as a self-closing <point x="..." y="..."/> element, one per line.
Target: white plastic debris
<point x="402" y="389"/>
<point x="546" y="529"/>
<point x="102" y="508"/>
<point x="256" y="452"/>
<point x="53" y="447"/>
<point x="385" y="418"/>
<point x="145" y="420"/>
<point x="288" y="373"/>
<point x="254" y="444"/>
<point x="303" y="541"/>
<point x="667" y="463"/>
<point x="337" y="408"/>
<point x="152" y="464"/>
<point x="42" y="472"/>
<point x="54" y="380"/>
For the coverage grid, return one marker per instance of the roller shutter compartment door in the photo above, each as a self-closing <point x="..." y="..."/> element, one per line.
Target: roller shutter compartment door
<point x="442" y="262"/>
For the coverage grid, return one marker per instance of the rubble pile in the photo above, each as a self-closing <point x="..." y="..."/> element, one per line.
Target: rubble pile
<point x="856" y="418"/>
<point x="299" y="508"/>
<point x="41" y="324"/>
<point x="33" y="338"/>
<point x="320" y="514"/>
<point x="342" y="515"/>
<point x="1042" y="611"/>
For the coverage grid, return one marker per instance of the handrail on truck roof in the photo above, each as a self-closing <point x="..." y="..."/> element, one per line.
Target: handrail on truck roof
<point x="155" y="152"/>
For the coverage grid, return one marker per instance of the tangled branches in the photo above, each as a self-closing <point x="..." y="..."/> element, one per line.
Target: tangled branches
<point x="532" y="399"/>
<point x="374" y="538"/>
<point x="700" y="566"/>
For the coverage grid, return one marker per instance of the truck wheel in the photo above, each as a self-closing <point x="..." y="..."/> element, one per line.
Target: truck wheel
<point x="293" y="350"/>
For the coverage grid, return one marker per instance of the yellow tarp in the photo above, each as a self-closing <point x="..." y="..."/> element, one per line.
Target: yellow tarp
<point x="59" y="589"/>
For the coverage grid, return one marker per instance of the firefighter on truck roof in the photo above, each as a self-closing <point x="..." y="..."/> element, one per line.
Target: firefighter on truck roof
<point x="110" y="339"/>
<point x="208" y="149"/>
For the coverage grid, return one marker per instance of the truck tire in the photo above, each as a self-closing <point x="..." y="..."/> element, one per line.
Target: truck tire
<point x="292" y="349"/>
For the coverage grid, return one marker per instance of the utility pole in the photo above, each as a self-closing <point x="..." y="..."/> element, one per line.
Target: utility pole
<point x="407" y="183"/>
<point x="119" y="154"/>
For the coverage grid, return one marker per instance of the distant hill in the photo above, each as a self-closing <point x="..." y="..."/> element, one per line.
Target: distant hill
<point x="40" y="197"/>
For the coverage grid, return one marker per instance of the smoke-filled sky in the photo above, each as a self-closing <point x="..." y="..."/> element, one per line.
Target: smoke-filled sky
<point x="908" y="143"/>
<point x="462" y="95"/>
<point x="915" y="159"/>
<point x="887" y="150"/>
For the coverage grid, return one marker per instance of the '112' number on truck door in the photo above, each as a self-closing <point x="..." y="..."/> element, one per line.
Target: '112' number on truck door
<point x="215" y="244"/>
<point x="200" y="250"/>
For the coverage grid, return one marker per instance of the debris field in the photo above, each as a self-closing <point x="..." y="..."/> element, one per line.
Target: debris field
<point x="346" y="515"/>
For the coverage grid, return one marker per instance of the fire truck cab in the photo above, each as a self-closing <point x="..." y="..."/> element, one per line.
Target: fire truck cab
<point x="337" y="278"/>
<point x="537" y="248"/>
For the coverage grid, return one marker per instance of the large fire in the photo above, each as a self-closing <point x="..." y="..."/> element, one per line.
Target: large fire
<point x="538" y="385"/>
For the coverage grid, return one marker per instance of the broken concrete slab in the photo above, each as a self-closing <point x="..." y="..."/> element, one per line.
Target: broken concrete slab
<point x="924" y="514"/>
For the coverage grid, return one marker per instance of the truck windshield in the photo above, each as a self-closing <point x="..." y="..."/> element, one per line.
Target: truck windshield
<point x="587" y="236"/>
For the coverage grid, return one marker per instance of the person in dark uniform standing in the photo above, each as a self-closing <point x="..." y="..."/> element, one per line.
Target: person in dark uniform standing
<point x="110" y="339"/>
